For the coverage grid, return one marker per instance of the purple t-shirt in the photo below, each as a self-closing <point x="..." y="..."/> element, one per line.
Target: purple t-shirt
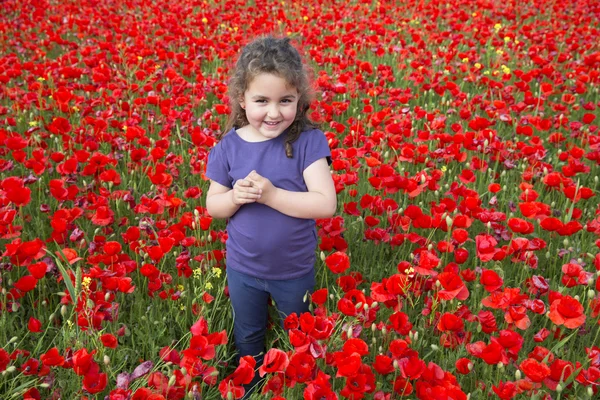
<point x="262" y="242"/>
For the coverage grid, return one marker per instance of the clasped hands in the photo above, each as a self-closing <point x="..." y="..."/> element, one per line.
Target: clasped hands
<point x="253" y="188"/>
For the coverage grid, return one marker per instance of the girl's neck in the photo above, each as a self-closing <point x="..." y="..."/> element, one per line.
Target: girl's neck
<point x="246" y="133"/>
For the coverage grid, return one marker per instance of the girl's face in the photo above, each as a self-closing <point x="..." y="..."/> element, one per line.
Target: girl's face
<point x="270" y="105"/>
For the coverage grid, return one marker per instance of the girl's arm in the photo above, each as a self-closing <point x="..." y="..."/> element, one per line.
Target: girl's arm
<point x="319" y="202"/>
<point x="222" y="202"/>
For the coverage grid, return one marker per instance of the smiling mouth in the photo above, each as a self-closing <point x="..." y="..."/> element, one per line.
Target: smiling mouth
<point x="272" y="123"/>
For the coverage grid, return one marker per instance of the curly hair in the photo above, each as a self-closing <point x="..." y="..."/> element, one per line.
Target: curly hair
<point x="274" y="56"/>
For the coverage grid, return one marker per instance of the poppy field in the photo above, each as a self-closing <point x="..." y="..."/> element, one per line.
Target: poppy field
<point x="464" y="258"/>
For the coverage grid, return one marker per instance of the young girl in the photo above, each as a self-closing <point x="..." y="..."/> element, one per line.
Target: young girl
<point x="269" y="175"/>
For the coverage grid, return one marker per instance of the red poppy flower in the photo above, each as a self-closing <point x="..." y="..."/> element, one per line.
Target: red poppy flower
<point x="400" y="323"/>
<point x="37" y="270"/>
<point x="486" y="247"/>
<point x="320" y="296"/>
<point x="464" y="366"/>
<point x="506" y="390"/>
<point x="412" y="367"/>
<point x="34" y="325"/>
<point x="26" y="283"/>
<point x="450" y="322"/>
<point x="274" y="361"/>
<point x="383" y="364"/>
<point x="94" y="382"/>
<point x="337" y="262"/>
<point x="490" y="280"/>
<point x="52" y="358"/>
<point x="534" y="370"/>
<point x="15" y="190"/>
<point x="4" y="359"/>
<point x="82" y="361"/>
<point x="109" y="340"/>
<point x="567" y="311"/>
<point x="301" y="367"/>
<point x="452" y="287"/>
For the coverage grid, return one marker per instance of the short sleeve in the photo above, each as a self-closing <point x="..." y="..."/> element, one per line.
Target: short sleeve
<point x="316" y="148"/>
<point x="217" y="168"/>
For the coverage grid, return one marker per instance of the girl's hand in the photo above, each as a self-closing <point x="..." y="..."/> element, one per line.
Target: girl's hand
<point x="263" y="184"/>
<point x="244" y="192"/>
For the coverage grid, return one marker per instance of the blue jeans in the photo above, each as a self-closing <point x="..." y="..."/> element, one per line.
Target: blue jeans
<point x="249" y="299"/>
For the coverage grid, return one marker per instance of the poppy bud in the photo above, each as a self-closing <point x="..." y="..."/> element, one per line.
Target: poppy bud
<point x="395" y="363"/>
<point x="11" y="369"/>
<point x="435" y="347"/>
<point x="172" y="380"/>
<point x="591" y="294"/>
<point x="13" y="339"/>
<point x="518" y="374"/>
<point x="500" y="365"/>
<point x="106" y="360"/>
<point x="63" y="310"/>
<point x="416" y="336"/>
<point x="559" y="388"/>
<point x="45" y="385"/>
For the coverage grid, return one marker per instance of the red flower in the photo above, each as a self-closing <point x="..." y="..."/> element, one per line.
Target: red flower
<point x="37" y="270"/>
<point x="534" y="370"/>
<point x="26" y="283"/>
<point x="450" y="322"/>
<point x="109" y="340"/>
<point x="242" y="375"/>
<point x="486" y="247"/>
<point x="490" y="280"/>
<point x="320" y="296"/>
<point x="505" y="390"/>
<point x="453" y="287"/>
<point x="34" y="325"/>
<point x="275" y="361"/>
<point x="412" y="367"/>
<point x="15" y="190"/>
<point x="383" y="364"/>
<point x="464" y="366"/>
<point x="338" y="262"/>
<point x="82" y="361"/>
<point x="52" y="358"/>
<point x="94" y="381"/>
<point x="4" y="359"/>
<point x="400" y="323"/>
<point x="301" y="367"/>
<point x="567" y="311"/>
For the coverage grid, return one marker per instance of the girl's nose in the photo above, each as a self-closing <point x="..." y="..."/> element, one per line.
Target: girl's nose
<point x="273" y="111"/>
